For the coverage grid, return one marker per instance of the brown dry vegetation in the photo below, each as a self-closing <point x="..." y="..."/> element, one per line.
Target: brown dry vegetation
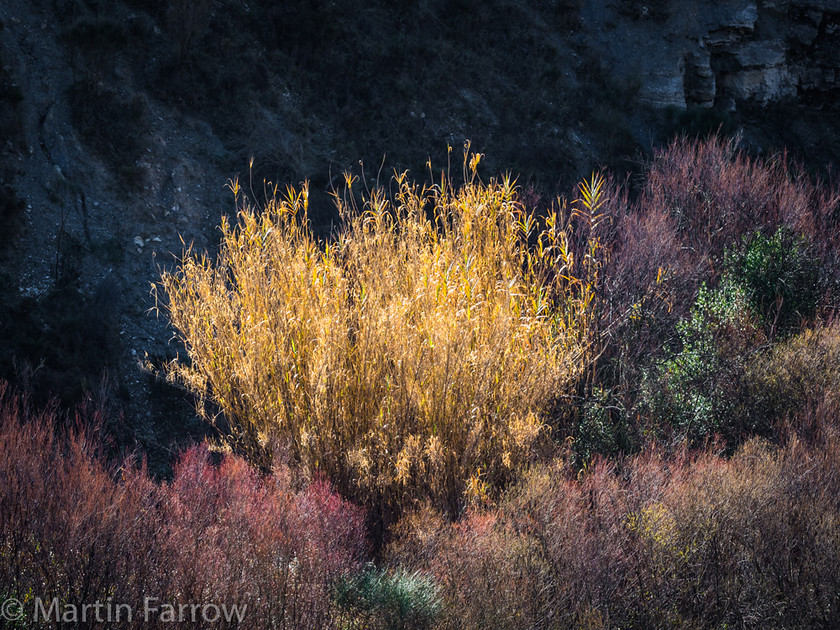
<point x="691" y="540"/>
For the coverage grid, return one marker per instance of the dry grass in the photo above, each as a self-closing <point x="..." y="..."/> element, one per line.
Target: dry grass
<point x="797" y="377"/>
<point x="412" y="356"/>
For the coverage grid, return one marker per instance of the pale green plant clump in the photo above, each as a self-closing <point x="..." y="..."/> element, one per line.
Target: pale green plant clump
<point x="413" y="356"/>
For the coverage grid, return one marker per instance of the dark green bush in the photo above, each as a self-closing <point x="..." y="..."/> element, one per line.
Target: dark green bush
<point x="779" y="277"/>
<point x="601" y="428"/>
<point x="713" y="385"/>
<point x="702" y="389"/>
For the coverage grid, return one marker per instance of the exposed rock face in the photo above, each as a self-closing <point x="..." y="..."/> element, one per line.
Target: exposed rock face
<point x="716" y="53"/>
<point x="700" y="82"/>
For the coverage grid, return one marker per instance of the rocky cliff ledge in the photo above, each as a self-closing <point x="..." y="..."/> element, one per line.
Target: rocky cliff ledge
<point x="719" y="54"/>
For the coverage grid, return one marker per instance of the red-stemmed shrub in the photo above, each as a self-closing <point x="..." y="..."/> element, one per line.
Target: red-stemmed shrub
<point x="701" y="203"/>
<point x="243" y="539"/>
<point x="75" y="528"/>
<point x="690" y="539"/>
<point x="67" y="530"/>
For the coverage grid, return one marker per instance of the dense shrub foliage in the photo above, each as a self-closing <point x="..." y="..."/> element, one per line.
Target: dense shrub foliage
<point x="688" y="540"/>
<point x="374" y="598"/>
<point x="704" y="382"/>
<point x="614" y="412"/>
<point x="720" y="257"/>
<point x="79" y="530"/>
<point x="797" y="377"/>
<point x="779" y="276"/>
<point x="414" y="355"/>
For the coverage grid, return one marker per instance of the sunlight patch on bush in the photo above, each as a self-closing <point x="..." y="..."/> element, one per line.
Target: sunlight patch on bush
<point x="412" y="355"/>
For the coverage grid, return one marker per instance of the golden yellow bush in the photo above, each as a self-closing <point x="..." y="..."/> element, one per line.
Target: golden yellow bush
<point x="417" y="349"/>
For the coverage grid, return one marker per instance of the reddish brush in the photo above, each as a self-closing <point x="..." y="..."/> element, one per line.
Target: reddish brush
<point x="682" y="540"/>
<point x="75" y="528"/>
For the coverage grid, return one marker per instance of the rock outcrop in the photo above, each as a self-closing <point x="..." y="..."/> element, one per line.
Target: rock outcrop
<point x="719" y="54"/>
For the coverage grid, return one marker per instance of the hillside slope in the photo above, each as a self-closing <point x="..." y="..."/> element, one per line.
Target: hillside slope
<point x="121" y="122"/>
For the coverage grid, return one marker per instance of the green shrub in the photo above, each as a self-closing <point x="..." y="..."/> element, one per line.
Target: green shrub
<point x="601" y="429"/>
<point x="779" y="276"/>
<point x="702" y="391"/>
<point x="715" y="382"/>
<point x="396" y="600"/>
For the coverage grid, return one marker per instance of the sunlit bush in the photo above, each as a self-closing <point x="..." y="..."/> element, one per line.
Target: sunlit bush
<point x="413" y="355"/>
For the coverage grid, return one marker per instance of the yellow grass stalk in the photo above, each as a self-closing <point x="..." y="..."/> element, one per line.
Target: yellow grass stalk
<point x="413" y="356"/>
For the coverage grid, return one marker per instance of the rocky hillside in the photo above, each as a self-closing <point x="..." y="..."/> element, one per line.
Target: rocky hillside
<point x="121" y="121"/>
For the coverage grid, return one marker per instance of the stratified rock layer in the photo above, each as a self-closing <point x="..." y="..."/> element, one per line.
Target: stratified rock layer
<point x="701" y="53"/>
